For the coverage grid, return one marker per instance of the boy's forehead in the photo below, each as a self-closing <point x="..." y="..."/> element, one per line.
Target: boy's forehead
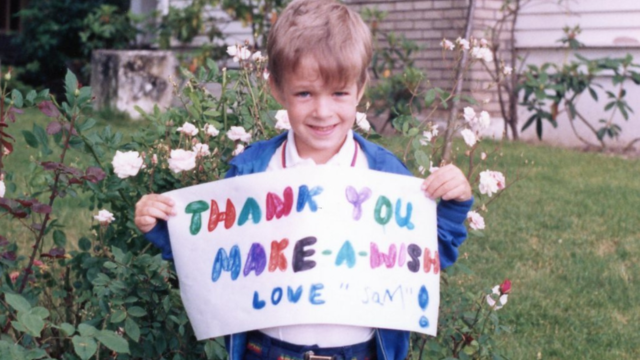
<point x="308" y="72"/>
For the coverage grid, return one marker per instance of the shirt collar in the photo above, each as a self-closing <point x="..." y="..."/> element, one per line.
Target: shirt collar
<point x="344" y="157"/>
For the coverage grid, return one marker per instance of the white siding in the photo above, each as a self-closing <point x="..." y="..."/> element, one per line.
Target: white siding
<point x="604" y="23"/>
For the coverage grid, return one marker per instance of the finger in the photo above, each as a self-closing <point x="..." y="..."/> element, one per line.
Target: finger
<point x="164" y="207"/>
<point x="155" y="212"/>
<point x="456" y="193"/>
<point x="434" y="189"/>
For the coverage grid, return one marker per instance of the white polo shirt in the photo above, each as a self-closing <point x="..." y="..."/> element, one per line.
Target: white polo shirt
<point x="323" y="335"/>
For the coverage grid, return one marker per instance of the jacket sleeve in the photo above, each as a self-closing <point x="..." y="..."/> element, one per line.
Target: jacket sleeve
<point x="159" y="236"/>
<point x="451" y="229"/>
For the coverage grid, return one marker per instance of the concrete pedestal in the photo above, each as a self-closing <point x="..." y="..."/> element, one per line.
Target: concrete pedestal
<point x="123" y="79"/>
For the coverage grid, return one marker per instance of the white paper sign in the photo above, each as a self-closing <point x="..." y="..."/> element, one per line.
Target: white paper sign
<point x="317" y="245"/>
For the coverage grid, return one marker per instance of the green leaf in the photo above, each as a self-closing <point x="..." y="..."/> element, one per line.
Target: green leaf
<point x="70" y="83"/>
<point x="113" y="341"/>
<point x="16" y="97"/>
<point x="118" y="316"/>
<point x="33" y="323"/>
<point x="17" y="302"/>
<point x="429" y="97"/>
<point x="84" y="346"/>
<point x="593" y="93"/>
<point x="40" y="312"/>
<point x="136" y="311"/>
<point x="132" y="329"/>
<point x="67" y="328"/>
<point x="59" y="238"/>
<point x="35" y="354"/>
<point x="87" y="330"/>
<point x="31" y="96"/>
<point x="84" y="244"/>
<point x="30" y="138"/>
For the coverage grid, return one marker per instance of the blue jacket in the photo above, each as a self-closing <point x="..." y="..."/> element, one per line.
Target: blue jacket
<point x="391" y="344"/>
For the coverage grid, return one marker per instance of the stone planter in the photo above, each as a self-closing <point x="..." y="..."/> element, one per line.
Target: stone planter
<point x="123" y="79"/>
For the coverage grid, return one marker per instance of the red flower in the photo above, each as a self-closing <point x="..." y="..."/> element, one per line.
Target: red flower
<point x="505" y="287"/>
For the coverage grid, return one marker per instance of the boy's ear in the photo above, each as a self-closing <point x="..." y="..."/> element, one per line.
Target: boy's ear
<point x="275" y="91"/>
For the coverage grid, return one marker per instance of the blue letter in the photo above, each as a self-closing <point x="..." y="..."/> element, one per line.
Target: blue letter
<point x="306" y="196"/>
<point x="294" y="296"/>
<point x="226" y="262"/>
<point x="314" y="293"/>
<point x="404" y="221"/>
<point x="257" y="303"/>
<point x="347" y="254"/>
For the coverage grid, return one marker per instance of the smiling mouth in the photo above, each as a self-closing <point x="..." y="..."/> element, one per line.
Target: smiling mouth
<point x="322" y="128"/>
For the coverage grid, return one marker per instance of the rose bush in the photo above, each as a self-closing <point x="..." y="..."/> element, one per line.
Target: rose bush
<point x="110" y="295"/>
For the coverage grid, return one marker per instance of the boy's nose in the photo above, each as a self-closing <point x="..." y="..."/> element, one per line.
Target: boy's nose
<point x="322" y="108"/>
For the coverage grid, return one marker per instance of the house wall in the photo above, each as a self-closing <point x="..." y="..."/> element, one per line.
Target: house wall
<point x="609" y="29"/>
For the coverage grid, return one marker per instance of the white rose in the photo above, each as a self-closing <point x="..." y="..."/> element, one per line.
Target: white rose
<point x="232" y="50"/>
<point x="2" y="188"/>
<point x="476" y="221"/>
<point x="238" y="133"/>
<point x="362" y="122"/>
<point x="182" y="160"/>
<point x="507" y="70"/>
<point x="482" y="53"/>
<point x="469" y="114"/>
<point x="426" y="138"/>
<point x="484" y="121"/>
<point x="239" y="149"/>
<point x="446" y="44"/>
<point x="104" y="217"/>
<point x="211" y="130"/>
<point x="502" y="299"/>
<point x="434" y="129"/>
<point x="464" y="44"/>
<point x="201" y="149"/>
<point x="126" y="164"/>
<point x="491" y="182"/>
<point x="469" y="137"/>
<point x="282" y="117"/>
<point x="188" y="129"/>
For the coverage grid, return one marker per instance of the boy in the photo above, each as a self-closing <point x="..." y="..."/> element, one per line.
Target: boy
<point x="319" y="52"/>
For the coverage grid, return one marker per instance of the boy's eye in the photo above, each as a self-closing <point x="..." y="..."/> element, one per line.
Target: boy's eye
<point x="341" y="93"/>
<point x="302" y="94"/>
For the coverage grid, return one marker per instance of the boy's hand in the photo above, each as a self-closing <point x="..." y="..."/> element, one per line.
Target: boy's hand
<point x="150" y="208"/>
<point x="448" y="183"/>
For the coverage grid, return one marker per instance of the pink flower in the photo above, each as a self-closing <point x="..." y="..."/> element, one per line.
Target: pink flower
<point x="491" y="182"/>
<point x="211" y="130"/>
<point x="469" y="137"/>
<point x="265" y="74"/>
<point x="505" y="287"/>
<point x="507" y="70"/>
<point x="3" y="188"/>
<point x="483" y="156"/>
<point x="126" y="164"/>
<point x="188" y="129"/>
<point x="482" y="53"/>
<point x="201" y="149"/>
<point x="238" y="52"/>
<point x="238" y="133"/>
<point x="469" y="114"/>
<point x="484" y="42"/>
<point x="257" y="56"/>
<point x="239" y="149"/>
<point x="464" y="44"/>
<point x="484" y="120"/>
<point x="476" y="221"/>
<point x="446" y="44"/>
<point x="496" y="295"/>
<point x="362" y="122"/>
<point x="282" y="118"/>
<point x="38" y="263"/>
<point x="104" y="217"/>
<point x="182" y="160"/>
<point x="154" y="159"/>
<point x="14" y="276"/>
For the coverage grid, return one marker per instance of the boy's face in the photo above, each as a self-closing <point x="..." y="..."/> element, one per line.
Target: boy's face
<point x="320" y="114"/>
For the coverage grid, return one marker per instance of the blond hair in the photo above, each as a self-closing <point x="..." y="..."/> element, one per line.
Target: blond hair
<point x="330" y="32"/>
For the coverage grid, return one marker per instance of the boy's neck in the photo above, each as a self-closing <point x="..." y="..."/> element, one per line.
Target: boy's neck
<point x="320" y="157"/>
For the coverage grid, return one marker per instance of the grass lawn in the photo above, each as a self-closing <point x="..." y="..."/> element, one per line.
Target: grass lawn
<point x="567" y="236"/>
